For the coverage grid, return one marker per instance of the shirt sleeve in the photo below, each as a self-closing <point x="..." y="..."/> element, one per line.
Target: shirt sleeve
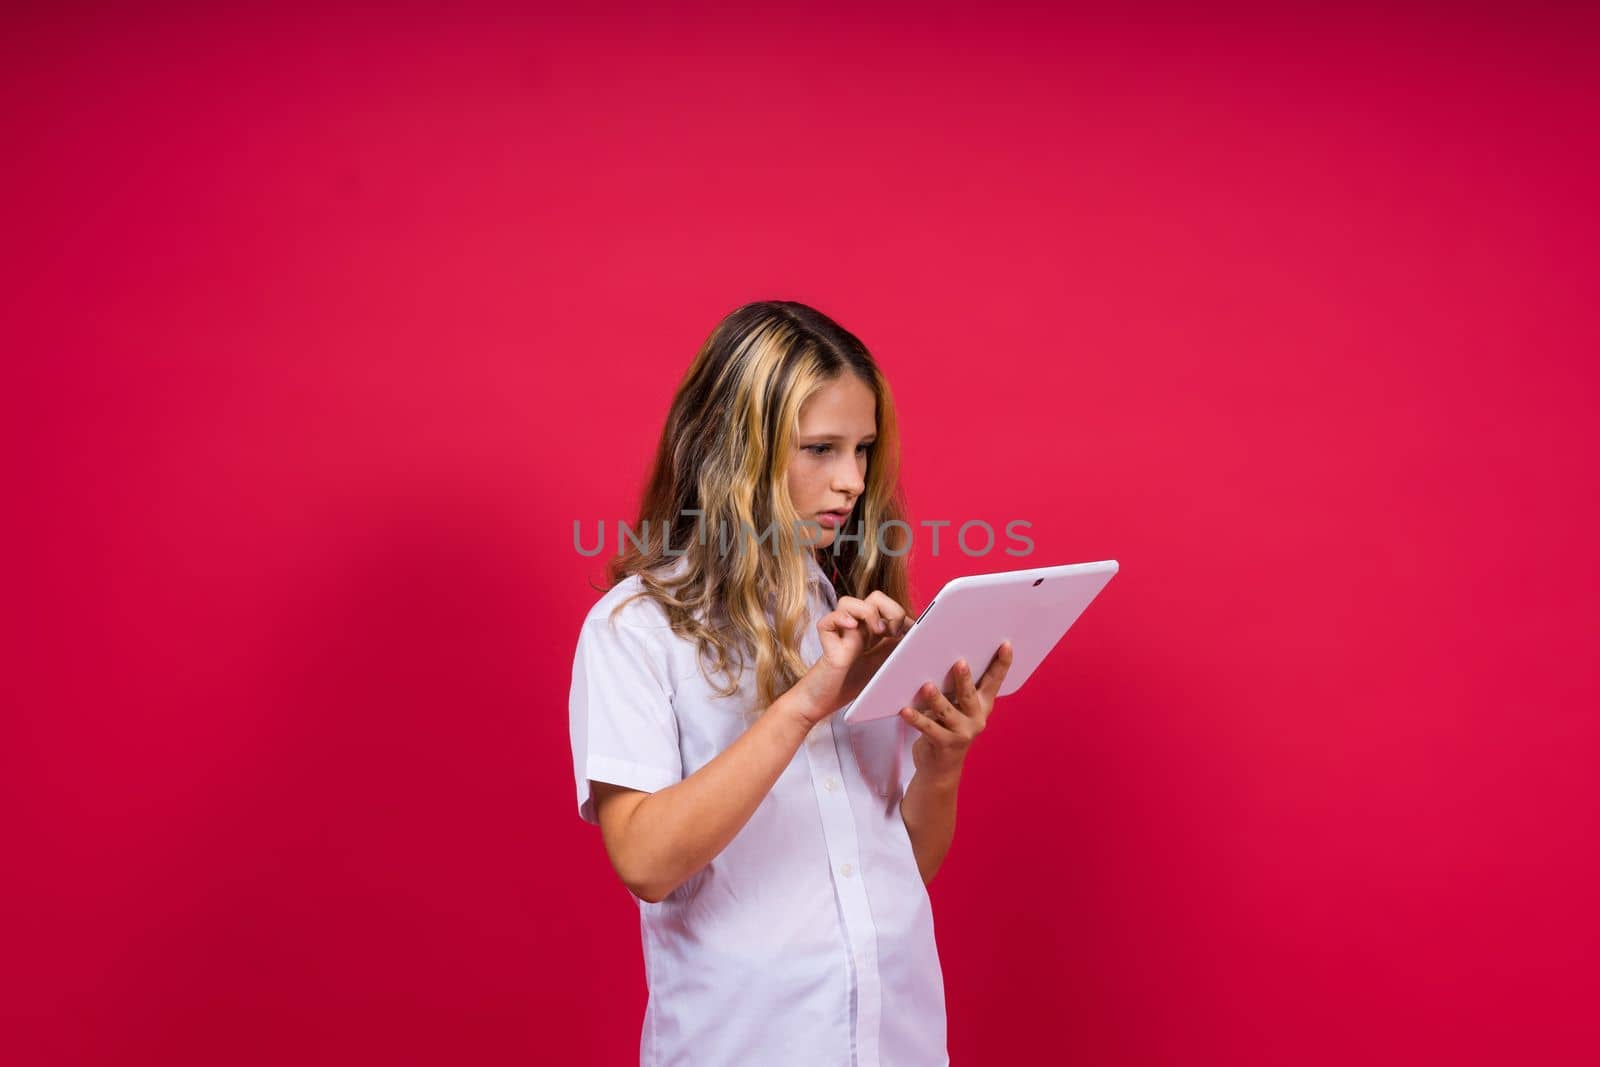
<point x="623" y="727"/>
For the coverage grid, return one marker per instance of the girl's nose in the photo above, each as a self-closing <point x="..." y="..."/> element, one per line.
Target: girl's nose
<point x="848" y="479"/>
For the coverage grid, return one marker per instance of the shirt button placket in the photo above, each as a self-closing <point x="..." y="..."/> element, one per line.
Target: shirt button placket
<point x="839" y="835"/>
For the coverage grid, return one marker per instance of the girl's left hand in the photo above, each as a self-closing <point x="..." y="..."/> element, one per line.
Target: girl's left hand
<point x="950" y="723"/>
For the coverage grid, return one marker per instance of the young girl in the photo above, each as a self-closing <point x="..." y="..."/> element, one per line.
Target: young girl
<point x="779" y="856"/>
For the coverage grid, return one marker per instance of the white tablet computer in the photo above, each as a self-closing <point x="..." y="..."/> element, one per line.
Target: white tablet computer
<point x="969" y="618"/>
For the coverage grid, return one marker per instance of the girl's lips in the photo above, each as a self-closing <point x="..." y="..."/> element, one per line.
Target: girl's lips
<point x="832" y="518"/>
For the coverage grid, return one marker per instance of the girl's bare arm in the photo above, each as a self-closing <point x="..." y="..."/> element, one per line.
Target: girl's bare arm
<point x="657" y="840"/>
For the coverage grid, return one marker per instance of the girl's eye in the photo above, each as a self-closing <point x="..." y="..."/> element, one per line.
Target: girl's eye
<point x="821" y="450"/>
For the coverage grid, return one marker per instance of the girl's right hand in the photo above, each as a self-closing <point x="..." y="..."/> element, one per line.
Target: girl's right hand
<point x="857" y="636"/>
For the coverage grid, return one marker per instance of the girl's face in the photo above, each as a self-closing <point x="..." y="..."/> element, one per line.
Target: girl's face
<point x="828" y="470"/>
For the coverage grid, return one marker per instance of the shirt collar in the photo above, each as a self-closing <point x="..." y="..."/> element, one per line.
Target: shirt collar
<point x="816" y="577"/>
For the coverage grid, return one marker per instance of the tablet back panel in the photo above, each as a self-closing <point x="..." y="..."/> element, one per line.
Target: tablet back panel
<point x="968" y="620"/>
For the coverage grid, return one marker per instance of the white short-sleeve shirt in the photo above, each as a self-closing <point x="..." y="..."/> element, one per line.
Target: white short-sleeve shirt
<point x="808" y="941"/>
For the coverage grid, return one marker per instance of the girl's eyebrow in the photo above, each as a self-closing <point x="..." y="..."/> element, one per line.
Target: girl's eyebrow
<point x="834" y="437"/>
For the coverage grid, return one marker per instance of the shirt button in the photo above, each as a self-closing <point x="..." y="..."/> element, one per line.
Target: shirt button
<point x="830" y="783"/>
<point x="847" y="870"/>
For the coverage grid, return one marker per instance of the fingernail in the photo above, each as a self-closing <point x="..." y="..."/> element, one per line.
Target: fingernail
<point x="961" y="665"/>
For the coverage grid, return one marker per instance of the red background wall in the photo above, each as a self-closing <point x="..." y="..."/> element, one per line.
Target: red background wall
<point x="323" y="329"/>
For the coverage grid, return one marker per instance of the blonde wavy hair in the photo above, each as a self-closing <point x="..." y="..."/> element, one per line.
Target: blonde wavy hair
<point x="724" y="453"/>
